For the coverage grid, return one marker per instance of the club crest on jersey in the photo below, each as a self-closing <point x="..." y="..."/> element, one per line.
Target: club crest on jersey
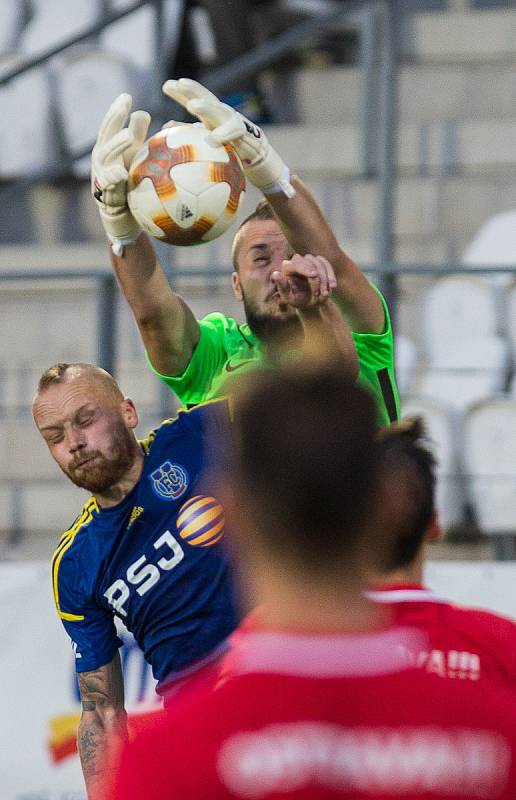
<point x="169" y="481"/>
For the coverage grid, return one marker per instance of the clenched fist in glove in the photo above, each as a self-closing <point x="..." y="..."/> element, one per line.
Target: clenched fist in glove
<point x="111" y="157"/>
<point x="262" y="165"/>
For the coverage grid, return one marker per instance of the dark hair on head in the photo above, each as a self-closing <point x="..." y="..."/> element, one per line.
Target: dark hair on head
<point x="263" y="211"/>
<point x="305" y="463"/>
<point x="409" y="467"/>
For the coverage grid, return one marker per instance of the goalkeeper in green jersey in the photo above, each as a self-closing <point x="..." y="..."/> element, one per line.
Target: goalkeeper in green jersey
<point x="290" y="272"/>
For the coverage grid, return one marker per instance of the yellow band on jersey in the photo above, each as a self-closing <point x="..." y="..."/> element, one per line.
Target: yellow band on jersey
<point x="65" y="543"/>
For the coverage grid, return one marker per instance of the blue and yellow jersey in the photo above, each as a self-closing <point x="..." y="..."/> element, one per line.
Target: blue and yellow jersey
<point x="157" y="560"/>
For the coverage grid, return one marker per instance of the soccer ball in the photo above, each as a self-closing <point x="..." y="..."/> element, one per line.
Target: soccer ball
<point x="183" y="188"/>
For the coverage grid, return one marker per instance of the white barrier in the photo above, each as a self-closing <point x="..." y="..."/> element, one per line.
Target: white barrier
<point x="482" y="584"/>
<point x="39" y="703"/>
<point x="38" y="699"/>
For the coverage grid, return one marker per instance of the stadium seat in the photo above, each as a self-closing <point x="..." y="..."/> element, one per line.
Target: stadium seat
<point x="134" y="36"/>
<point x="455" y="308"/>
<point x="27" y="141"/>
<point x="11" y="25"/>
<point x="490" y="463"/>
<point x="405" y="360"/>
<point x="444" y="434"/>
<point x="54" y="21"/>
<point x="86" y="83"/>
<point x="494" y="244"/>
<point x="467" y="371"/>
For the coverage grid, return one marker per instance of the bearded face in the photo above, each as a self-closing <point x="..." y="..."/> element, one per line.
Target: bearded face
<point x="97" y="470"/>
<point x="268" y="325"/>
<point x="89" y="429"/>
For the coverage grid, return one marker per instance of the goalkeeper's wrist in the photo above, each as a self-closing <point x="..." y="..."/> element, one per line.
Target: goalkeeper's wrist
<point x="272" y="176"/>
<point x="121" y="228"/>
<point x="118" y="245"/>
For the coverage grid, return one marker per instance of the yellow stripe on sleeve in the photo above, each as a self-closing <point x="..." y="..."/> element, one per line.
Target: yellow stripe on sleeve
<point x="66" y="542"/>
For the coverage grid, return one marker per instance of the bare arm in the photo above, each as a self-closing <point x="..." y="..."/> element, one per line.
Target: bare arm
<point x="306" y="283"/>
<point x="167" y="326"/>
<point x="103" y="722"/>
<point x="308" y="231"/>
<point x="327" y="335"/>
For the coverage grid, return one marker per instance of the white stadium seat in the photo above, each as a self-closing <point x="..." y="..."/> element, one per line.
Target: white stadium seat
<point x="54" y="21"/>
<point x="469" y="369"/>
<point x="494" y="244"/>
<point x="27" y="140"/>
<point x="456" y="307"/>
<point x="134" y="36"/>
<point x="11" y="21"/>
<point x="405" y="360"/>
<point x="490" y="463"/>
<point x="443" y="434"/>
<point x="86" y="83"/>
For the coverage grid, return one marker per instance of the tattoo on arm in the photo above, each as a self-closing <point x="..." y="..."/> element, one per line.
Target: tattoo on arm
<point x="90" y="740"/>
<point x="103" y="719"/>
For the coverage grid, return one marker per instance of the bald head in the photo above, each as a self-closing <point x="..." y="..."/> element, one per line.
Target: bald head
<point x="88" y="426"/>
<point x="97" y="378"/>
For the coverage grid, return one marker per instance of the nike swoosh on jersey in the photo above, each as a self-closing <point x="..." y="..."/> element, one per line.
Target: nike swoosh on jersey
<point x="230" y="368"/>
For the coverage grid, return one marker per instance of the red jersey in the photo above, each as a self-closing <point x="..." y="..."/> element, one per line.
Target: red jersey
<point x="464" y="643"/>
<point x="314" y="717"/>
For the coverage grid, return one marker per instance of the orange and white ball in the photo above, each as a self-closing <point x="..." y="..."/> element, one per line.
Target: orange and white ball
<point x="183" y="188"/>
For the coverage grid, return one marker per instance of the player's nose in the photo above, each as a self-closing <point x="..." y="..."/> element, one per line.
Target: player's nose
<point x="75" y="440"/>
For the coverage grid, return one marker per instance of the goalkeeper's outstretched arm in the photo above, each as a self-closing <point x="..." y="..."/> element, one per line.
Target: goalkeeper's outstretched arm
<point x="296" y="209"/>
<point x="308" y="231"/>
<point x="167" y="325"/>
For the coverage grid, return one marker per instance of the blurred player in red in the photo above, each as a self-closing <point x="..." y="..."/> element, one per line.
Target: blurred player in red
<point x="465" y="644"/>
<point x="318" y="701"/>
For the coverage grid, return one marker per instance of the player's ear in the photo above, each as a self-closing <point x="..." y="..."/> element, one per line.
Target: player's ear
<point x="237" y="287"/>
<point x="434" y="532"/>
<point x="129" y="413"/>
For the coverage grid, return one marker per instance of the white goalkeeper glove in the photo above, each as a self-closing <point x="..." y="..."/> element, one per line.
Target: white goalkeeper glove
<point x="111" y="157"/>
<point x="262" y="164"/>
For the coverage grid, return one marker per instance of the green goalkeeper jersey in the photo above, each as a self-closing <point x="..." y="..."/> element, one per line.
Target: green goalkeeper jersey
<point x="227" y="348"/>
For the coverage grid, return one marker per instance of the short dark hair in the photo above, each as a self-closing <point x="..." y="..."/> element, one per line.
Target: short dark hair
<point x="409" y="467"/>
<point x="263" y="211"/>
<point x="305" y="463"/>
